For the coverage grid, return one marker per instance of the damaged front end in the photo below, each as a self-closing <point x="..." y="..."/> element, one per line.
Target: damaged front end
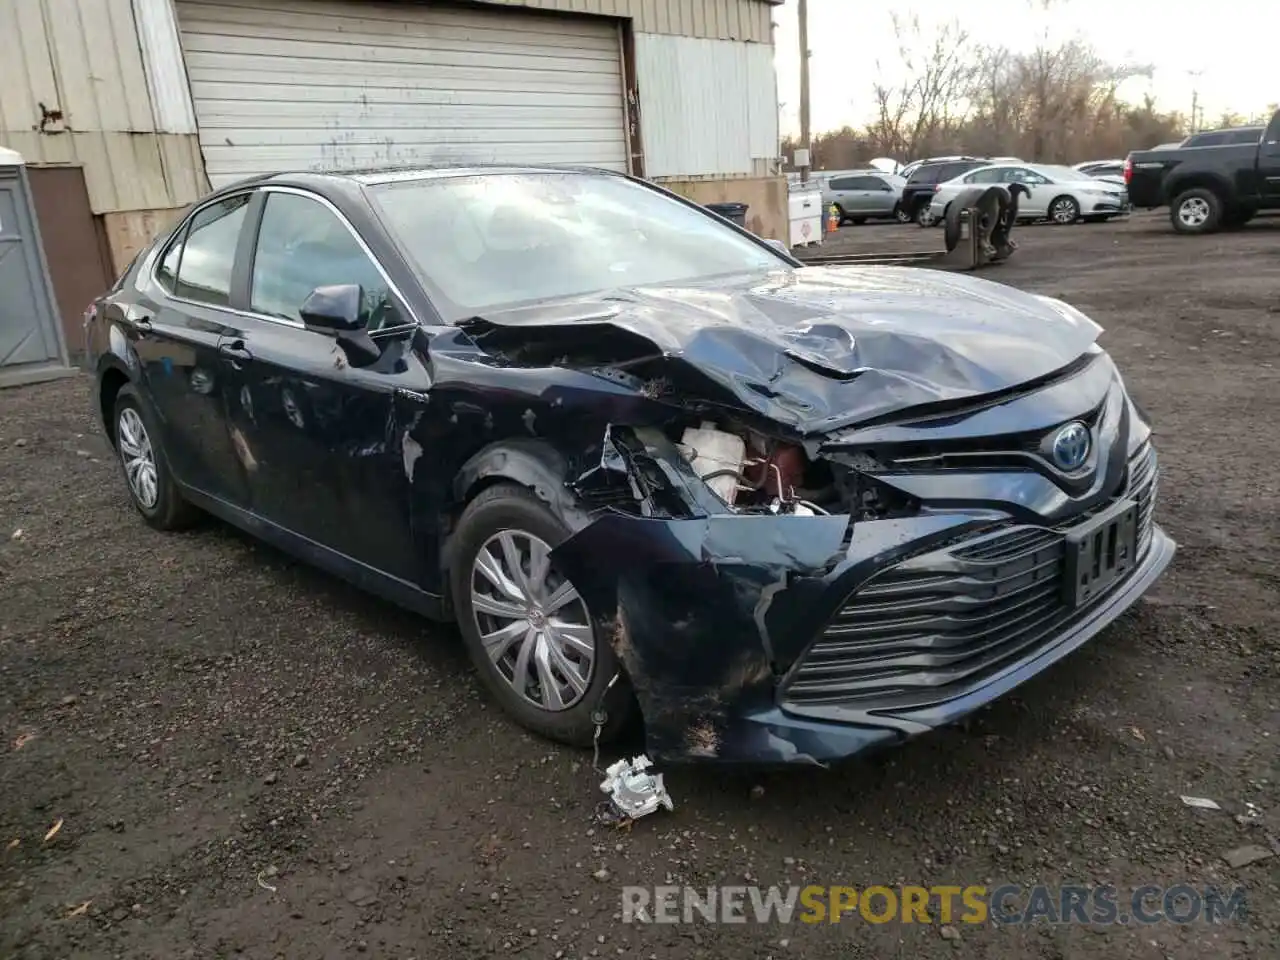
<point x="824" y="597"/>
<point x="826" y="535"/>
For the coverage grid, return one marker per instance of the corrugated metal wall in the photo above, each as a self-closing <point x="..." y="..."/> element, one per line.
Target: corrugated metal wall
<point x="73" y="90"/>
<point x="707" y="107"/>
<point x="712" y="19"/>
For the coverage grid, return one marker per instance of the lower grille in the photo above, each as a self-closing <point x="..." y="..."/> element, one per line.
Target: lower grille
<point x="948" y="618"/>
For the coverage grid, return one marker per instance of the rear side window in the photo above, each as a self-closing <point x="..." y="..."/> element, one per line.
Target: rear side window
<point x="985" y="176"/>
<point x="1207" y="140"/>
<point x="842" y="183"/>
<point x="208" y="252"/>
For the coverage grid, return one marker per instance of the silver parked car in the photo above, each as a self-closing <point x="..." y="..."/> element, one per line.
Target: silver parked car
<point x="865" y="195"/>
<point x="1055" y="193"/>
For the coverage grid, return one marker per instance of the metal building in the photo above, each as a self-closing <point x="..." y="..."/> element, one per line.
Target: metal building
<point x="155" y="101"/>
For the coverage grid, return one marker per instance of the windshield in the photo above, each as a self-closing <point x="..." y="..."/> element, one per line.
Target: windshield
<point x="492" y="240"/>
<point x="1061" y="173"/>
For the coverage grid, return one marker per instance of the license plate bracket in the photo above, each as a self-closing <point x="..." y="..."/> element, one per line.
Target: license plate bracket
<point x="1101" y="551"/>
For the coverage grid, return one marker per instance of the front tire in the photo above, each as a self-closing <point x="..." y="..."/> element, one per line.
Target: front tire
<point x="528" y="632"/>
<point x="1196" y="211"/>
<point x="1064" y="210"/>
<point x="136" y="436"/>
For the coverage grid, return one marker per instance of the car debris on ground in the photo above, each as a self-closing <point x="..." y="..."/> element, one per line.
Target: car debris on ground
<point x="633" y="791"/>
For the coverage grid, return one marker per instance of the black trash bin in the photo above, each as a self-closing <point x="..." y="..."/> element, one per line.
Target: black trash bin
<point x="737" y="212"/>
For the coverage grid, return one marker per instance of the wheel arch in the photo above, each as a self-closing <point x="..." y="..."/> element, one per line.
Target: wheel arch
<point x="535" y="464"/>
<point x="113" y="376"/>
<point x="1202" y="179"/>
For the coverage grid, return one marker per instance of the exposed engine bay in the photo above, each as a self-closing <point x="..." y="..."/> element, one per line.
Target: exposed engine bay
<point x="724" y="466"/>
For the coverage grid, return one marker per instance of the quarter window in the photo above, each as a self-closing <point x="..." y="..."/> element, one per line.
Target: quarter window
<point x="207" y="255"/>
<point x="303" y="245"/>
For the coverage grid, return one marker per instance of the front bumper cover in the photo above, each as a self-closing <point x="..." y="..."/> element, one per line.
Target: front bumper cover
<point x="709" y="617"/>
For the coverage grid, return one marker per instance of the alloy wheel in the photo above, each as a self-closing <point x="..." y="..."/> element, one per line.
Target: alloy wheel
<point x="138" y="457"/>
<point x="532" y="623"/>
<point x="1193" y="212"/>
<point x="1064" y="211"/>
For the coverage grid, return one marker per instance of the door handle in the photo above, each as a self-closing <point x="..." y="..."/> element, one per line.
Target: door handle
<point x="235" y="353"/>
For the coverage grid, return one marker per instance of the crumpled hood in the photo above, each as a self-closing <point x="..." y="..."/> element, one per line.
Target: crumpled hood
<point x="823" y="347"/>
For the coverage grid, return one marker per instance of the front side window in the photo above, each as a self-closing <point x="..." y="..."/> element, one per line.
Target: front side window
<point x="485" y="241"/>
<point x="302" y="245"/>
<point x="1245" y="136"/>
<point x="206" y="258"/>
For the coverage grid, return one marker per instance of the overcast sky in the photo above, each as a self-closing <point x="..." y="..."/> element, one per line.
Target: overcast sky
<point x="848" y="37"/>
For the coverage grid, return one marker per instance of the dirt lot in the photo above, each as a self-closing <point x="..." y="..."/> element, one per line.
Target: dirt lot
<point x="248" y="758"/>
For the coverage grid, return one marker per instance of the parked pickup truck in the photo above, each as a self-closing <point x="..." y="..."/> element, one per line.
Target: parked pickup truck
<point x="1208" y="188"/>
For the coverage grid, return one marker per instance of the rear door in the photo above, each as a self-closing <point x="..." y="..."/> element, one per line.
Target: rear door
<point x="175" y="332"/>
<point x="841" y="192"/>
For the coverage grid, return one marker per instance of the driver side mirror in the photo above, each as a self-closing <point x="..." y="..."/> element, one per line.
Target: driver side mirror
<point x="335" y="311"/>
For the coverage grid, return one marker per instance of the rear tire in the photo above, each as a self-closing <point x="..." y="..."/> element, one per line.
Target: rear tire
<point x="508" y="508"/>
<point x="902" y="216"/>
<point x="924" y="216"/>
<point x="1196" y="211"/>
<point x="136" y="437"/>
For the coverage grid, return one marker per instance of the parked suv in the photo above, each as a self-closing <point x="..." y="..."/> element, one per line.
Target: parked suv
<point x="863" y="195"/>
<point x="917" y="195"/>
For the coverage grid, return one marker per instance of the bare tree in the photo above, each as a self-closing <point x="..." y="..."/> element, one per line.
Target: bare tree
<point x="930" y="104"/>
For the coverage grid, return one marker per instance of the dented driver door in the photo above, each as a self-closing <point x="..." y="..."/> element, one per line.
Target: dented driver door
<point x="318" y="433"/>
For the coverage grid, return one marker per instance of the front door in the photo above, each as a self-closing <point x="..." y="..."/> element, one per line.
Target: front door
<point x="1035" y="202"/>
<point x="27" y="331"/>
<point x="175" y="335"/>
<point x="879" y="198"/>
<point x="323" y="443"/>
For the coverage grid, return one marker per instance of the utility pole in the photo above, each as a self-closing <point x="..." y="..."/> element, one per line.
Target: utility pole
<point x="803" y="14"/>
<point x="1195" y="98"/>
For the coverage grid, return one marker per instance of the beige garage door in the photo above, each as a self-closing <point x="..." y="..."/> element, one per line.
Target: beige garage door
<point x="317" y="85"/>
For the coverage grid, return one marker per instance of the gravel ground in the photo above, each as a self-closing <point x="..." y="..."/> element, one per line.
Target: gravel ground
<point x="248" y="758"/>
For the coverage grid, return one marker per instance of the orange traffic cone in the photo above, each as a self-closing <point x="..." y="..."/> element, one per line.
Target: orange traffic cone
<point x="833" y="219"/>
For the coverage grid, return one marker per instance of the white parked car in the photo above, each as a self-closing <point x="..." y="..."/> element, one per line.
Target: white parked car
<point x="1111" y="171"/>
<point x="1060" y="194"/>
